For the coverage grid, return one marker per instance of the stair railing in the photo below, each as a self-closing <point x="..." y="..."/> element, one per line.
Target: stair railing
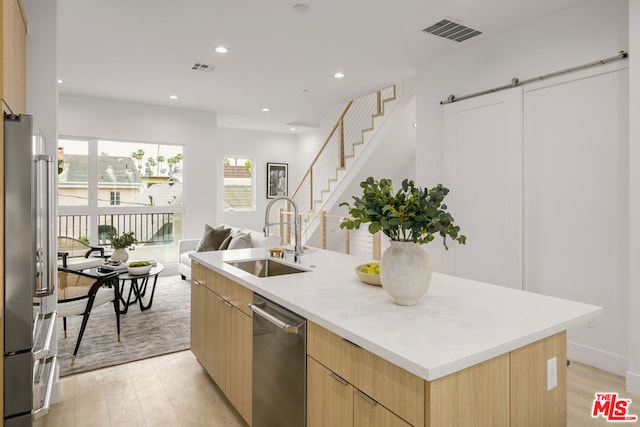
<point x="347" y="133"/>
<point x="355" y="242"/>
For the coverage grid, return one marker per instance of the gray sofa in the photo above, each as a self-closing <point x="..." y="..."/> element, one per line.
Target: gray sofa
<point x="188" y="246"/>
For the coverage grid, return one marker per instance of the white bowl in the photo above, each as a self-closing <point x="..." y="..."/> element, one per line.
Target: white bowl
<point x="370" y="279"/>
<point x="138" y="271"/>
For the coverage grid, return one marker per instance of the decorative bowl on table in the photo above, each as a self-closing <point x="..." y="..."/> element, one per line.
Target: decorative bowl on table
<point x="369" y="273"/>
<point x="138" y="268"/>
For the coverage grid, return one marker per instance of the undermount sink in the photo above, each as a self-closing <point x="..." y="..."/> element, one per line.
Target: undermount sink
<point x="265" y="267"/>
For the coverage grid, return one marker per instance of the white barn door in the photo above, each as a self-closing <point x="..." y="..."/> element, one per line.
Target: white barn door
<point x="483" y="170"/>
<point x="576" y="203"/>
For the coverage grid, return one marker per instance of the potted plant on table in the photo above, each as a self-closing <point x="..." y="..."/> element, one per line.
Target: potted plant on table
<point x="120" y="244"/>
<point x="410" y="217"/>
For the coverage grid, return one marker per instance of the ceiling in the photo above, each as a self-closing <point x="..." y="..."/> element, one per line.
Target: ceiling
<point x="280" y="58"/>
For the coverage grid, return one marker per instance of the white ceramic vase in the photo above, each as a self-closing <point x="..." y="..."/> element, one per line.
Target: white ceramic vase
<point x="120" y="255"/>
<point x="405" y="272"/>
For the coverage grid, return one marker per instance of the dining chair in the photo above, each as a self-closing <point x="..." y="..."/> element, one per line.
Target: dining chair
<point x="80" y="292"/>
<point x="74" y="254"/>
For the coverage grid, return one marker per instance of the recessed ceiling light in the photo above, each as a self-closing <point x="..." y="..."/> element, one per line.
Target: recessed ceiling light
<point x="338" y="75"/>
<point x="173" y="96"/>
<point x="266" y="109"/>
<point x="292" y="129"/>
<point x="60" y="81"/>
<point x="221" y="49"/>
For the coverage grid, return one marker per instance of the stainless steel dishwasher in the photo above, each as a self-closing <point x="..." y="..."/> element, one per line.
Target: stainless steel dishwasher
<point x="279" y="365"/>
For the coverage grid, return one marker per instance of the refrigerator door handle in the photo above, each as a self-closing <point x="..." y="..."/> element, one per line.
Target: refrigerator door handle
<point x="46" y="264"/>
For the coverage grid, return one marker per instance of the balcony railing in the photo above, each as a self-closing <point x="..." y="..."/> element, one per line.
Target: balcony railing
<point x="149" y="228"/>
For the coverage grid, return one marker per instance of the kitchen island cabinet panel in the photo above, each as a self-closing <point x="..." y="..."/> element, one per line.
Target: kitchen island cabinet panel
<point x="369" y="413"/>
<point x="198" y="319"/>
<point x="393" y="387"/>
<point x="199" y="273"/>
<point x="333" y="351"/>
<point x="329" y="397"/>
<point x="222" y="333"/>
<point x="239" y="360"/>
<point x="397" y="389"/>
<point x="531" y="403"/>
<point x="216" y="337"/>
<point x="476" y="396"/>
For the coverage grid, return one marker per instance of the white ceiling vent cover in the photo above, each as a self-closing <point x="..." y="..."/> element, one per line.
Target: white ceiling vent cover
<point x="452" y="30"/>
<point x="202" y="67"/>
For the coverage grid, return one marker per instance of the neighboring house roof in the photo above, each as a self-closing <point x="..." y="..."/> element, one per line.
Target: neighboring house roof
<point x="237" y="196"/>
<point x="236" y="171"/>
<point x="111" y="169"/>
<point x="167" y="193"/>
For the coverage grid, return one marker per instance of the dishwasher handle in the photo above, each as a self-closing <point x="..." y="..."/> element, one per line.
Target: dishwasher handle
<point x="289" y="329"/>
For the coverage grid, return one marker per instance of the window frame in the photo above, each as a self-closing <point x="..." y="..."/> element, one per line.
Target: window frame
<point x="92" y="210"/>
<point x="253" y="207"/>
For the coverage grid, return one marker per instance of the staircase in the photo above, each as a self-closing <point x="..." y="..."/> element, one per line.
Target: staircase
<point x="341" y="153"/>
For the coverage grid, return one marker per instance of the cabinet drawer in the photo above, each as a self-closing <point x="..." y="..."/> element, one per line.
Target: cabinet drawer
<point x="393" y="387"/>
<point x="329" y="398"/>
<point x="332" y="351"/>
<point x="369" y="413"/>
<point x="199" y="273"/>
<point x="233" y="292"/>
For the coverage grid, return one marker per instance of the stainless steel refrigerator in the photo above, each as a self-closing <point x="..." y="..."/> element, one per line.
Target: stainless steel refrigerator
<point x="29" y="269"/>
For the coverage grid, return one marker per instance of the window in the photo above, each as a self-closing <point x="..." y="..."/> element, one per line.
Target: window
<point x="143" y="174"/>
<point x="114" y="198"/>
<point x="73" y="172"/>
<point x="238" y="182"/>
<point x="107" y="187"/>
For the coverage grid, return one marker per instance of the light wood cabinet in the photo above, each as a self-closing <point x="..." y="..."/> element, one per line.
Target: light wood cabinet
<point x="507" y="390"/>
<point x="333" y="401"/>
<point x="369" y="413"/>
<point x="198" y="317"/>
<point x="215" y="330"/>
<point x="329" y="397"/>
<point x="239" y="361"/>
<point x="222" y="334"/>
<point x="383" y="382"/>
<point x="14" y="30"/>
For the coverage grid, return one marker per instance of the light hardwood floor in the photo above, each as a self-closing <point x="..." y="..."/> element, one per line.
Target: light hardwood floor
<point x="174" y="390"/>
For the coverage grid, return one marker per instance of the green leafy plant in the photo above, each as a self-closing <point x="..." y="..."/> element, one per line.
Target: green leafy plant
<point x="411" y="214"/>
<point x="123" y="241"/>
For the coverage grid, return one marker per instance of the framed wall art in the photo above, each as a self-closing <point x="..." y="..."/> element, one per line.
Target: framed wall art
<point x="277" y="180"/>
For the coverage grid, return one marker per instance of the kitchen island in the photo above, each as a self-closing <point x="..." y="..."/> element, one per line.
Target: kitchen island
<point x="472" y="351"/>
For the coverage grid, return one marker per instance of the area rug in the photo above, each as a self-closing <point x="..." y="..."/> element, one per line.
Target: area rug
<point x="162" y="329"/>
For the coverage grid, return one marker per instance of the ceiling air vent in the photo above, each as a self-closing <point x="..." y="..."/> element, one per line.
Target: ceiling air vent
<point x="202" y="67"/>
<point x="452" y="31"/>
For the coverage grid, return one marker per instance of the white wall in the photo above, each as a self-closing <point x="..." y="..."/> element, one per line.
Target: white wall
<point x="583" y="33"/>
<point x="633" y="372"/>
<point x="205" y="147"/>
<point x="263" y="147"/>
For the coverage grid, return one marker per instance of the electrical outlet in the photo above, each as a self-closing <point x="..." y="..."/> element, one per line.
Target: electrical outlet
<point x="591" y="323"/>
<point x="552" y="373"/>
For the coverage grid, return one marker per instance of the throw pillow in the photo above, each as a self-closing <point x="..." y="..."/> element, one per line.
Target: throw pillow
<point x="212" y="238"/>
<point x="240" y="240"/>
<point x="225" y="243"/>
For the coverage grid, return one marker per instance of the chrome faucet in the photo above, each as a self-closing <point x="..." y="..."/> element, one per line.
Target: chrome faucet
<point x="297" y="249"/>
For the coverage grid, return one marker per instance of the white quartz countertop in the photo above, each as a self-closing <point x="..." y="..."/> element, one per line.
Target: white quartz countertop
<point x="458" y="322"/>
